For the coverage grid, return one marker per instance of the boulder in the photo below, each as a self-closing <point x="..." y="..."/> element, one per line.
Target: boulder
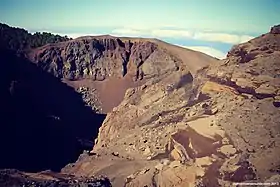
<point x="180" y="176"/>
<point x="275" y="29"/>
<point x="212" y="88"/>
<point x="227" y="150"/>
<point x="266" y="89"/>
<point x="204" y="128"/>
<point x="238" y="169"/>
<point x="204" y="161"/>
<point x="195" y="142"/>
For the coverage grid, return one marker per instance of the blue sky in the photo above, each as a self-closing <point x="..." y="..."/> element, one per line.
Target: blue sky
<point x="211" y="26"/>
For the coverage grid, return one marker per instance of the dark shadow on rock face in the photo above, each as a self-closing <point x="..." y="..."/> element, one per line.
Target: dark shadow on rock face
<point x="41" y="118"/>
<point x="184" y="80"/>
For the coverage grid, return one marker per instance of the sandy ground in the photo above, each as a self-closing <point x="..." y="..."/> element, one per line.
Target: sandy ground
<point x="110" y="91"/>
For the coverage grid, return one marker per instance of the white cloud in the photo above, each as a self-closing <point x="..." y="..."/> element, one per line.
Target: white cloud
<point x="152" y="32"/>
<point x="171" y="33"/>
<point x="128" y="32"/>
<point x="222" y="37"/>
<point x="245" y="38"/>
<point x="174" y="33"/>
<point x="207" y="50"/>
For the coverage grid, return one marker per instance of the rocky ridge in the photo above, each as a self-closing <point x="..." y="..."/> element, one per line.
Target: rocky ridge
<point x="189" y="121"/>
<point x="14" y="178"/>
<point x="221" y="126"/>
<point x="115" y="64"/>
<point x="101" y="57"/>
<point x="37" y="90"/>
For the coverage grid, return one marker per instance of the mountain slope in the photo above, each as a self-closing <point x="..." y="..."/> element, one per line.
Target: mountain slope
<point x="45" y="123"/>
<point x="109" y="64"/>
<point x="221" y="126"/>
<point x="176" y="117"/>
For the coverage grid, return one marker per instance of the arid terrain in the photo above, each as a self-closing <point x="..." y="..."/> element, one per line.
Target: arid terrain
<point x="117" y="111"/>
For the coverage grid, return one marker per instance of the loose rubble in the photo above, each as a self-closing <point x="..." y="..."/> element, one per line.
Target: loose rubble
<point x="89" y="96"/>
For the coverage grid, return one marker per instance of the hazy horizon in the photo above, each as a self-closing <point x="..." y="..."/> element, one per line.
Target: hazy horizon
<point x="209" y="27"/>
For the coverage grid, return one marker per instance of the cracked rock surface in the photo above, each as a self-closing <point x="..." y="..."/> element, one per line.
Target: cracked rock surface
<point x="220" y="126"/>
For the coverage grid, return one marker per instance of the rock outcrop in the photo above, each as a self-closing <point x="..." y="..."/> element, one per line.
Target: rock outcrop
<point x="275" y="29"/>
<point x="102" y="57"/>
<point x="182" y="118"/>
<point x="16" y="178"/>
<point x="112" y="65"/>
<point x="221" y="126"/>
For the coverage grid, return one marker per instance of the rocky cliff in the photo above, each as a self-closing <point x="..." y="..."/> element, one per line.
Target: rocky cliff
<point x="213" y="127"/>
<point x="50" y="93"/>
<point x="109" y="64"/>
<point x="106" y="56"/>
<point x="103" y="57"/>
<point x="176" y="117"/>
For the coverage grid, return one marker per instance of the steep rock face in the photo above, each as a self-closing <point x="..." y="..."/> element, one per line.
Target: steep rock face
<point x="252" y="67"/>
<point x="59" y="122"/>
<point x="110" y="65"/>
<point x="220" y="126"/>
<point x="100" y="58"/>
